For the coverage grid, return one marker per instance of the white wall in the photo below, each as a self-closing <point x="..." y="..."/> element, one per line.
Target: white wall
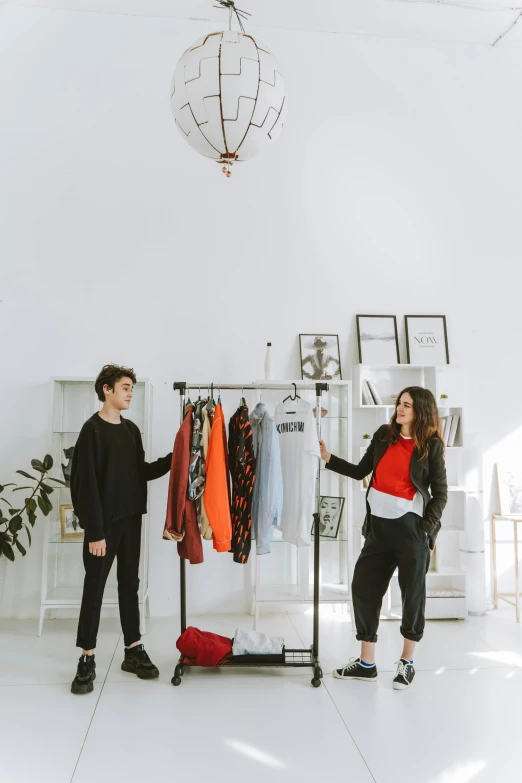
<point x="395" y="188"/>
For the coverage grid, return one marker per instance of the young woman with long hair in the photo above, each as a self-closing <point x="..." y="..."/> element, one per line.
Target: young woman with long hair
<point x="404" y="505"/>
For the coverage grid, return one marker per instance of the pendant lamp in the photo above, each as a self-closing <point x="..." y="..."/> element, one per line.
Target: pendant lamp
<point x="228" y="95"/>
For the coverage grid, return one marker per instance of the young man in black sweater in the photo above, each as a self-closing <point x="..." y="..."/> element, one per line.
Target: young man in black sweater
<point x="109" y="494"/>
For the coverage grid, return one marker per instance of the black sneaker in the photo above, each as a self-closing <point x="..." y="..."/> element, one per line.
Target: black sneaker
<point x="137" y="662"/>
<point x="405" y="674"/>
<point x="85" y="675"/>
<point x="354" y="671"/>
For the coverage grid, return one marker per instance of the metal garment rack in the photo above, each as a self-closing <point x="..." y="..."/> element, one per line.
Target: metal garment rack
<point x="293" y="658"/>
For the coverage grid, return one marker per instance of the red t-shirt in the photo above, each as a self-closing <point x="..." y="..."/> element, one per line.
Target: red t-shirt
<point x="392" y="474"/>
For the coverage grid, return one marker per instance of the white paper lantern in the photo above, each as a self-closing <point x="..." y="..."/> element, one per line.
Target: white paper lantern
<point x="228" y="97"/>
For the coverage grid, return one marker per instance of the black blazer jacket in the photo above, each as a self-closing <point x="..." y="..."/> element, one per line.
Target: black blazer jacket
<point x="428" y="476"/>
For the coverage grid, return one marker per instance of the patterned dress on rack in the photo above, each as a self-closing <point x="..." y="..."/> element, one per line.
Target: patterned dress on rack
<point x="242" y="465"/>
<point x="197" y="473"/>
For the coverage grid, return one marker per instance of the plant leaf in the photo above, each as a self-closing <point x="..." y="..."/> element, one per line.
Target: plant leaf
<point x="14" y="511"/>
<point x="20" y="548"/>
<point x="31" y="516"/>
<point x="40" y="470"/>
<point x="7" y="550"/>
<point x="23" y="473"/>
<point x="5" y="501"/>
<point x="31" y="504"/>
<point x="15" y="524"/>
<point x="28" y="534"/>
<point x="46" y="488"/>
<point x="19" y="488"/>
<point x="2" y="487"/>
<point x="48" y="462"/>
<point x="37" y="465"/>
<point x="58" y="481"/>
<point x="44" y="504"/>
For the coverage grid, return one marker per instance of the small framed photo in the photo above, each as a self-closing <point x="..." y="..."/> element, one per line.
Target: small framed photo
<point x="378" y="339"/>
<point x="427" y="339"/>
<point x="330" y="515"/>
<point x="320" y="357"/>
<point x="70" y="524"/>
<point x="509" y="484"/>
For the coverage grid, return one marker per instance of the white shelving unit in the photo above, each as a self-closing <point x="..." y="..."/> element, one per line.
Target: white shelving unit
<point x="72" y="402"/>
<point x="447" y="583"/>
<point x="285" y="576"/>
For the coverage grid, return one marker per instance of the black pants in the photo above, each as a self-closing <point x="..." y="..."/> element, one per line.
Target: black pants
<point x="390" y="544"/>
<point x="123" y="540"/>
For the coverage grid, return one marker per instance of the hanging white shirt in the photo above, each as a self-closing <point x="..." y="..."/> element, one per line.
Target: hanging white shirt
<point x="300" y="454"/>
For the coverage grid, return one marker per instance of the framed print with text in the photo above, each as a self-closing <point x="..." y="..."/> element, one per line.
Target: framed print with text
<point x="427" y="339"/>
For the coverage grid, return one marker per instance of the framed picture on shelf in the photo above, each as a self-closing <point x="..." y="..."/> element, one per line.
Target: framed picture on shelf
<point x="69" y="522"/>
<point x="509" y="490"/>
<point x="378" y="339"/>
<point x="320" y="357"/>
<point x="330" y="515"/>
<point x="427" y="339"/>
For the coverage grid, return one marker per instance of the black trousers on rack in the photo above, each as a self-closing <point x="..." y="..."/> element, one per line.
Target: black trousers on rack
<point x="123" y="542"/>
<point x="390" y="544"/>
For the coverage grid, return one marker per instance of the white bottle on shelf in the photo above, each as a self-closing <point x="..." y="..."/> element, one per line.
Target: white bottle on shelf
<point x="268" y="362"/>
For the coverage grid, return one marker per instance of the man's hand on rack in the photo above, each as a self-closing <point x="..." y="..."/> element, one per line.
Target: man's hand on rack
<point x="325" y="454"/>
<point x="97" y="548"/>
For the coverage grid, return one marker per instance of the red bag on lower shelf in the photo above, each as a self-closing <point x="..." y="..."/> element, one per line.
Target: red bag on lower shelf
<point x="202" y="648"/>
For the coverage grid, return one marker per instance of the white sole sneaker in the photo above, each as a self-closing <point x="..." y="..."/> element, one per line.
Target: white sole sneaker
<point x="399" y="686"/>
<point x="361" y="679"/>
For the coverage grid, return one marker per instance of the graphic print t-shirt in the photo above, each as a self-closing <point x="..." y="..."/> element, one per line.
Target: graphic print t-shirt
<point x="300" y="454"/>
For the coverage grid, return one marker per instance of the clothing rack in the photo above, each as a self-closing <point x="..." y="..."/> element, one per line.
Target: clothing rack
<point x="293" y="658"/>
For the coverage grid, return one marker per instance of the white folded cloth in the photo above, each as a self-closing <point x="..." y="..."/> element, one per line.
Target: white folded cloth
<point x="255" y="643"/>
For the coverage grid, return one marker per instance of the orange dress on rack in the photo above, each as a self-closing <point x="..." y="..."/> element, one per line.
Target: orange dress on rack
<point x="217" y="487"/>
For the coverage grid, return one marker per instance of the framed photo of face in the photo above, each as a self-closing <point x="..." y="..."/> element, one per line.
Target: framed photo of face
<point x="69" y="522"/>
<point x="427" y="339"/>
<point x="320" y="357"/>
<point x="378" y="339"/>
<point x="330" y="515"/>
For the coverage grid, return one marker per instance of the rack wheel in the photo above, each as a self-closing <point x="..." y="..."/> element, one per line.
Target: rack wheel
<point x="176" y="681"/>
<point x="316" y="682"/>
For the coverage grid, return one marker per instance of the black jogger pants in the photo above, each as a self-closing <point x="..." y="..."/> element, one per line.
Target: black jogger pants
<point x="123" y="542"/>
<point x="390" y="544"/>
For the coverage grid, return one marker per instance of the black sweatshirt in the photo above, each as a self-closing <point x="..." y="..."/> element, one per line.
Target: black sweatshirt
<point x="109" y="474"/>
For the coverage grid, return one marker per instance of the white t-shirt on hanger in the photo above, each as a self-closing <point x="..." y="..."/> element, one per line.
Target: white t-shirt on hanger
<point x="299" y="446"/>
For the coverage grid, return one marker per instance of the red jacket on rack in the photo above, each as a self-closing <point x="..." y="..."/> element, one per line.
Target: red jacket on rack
<point x="181" y="524"/>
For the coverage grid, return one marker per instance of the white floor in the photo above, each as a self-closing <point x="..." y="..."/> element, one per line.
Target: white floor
<point x="459" y="723"/>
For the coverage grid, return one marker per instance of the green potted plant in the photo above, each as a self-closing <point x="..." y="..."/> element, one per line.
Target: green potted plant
<point x="16" y="518"/>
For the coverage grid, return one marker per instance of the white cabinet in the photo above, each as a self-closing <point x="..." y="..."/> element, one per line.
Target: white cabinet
<point x="72" y="402"/>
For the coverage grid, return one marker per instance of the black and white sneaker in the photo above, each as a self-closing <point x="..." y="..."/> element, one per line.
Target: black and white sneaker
<point x="85" y="675"/>
<point x="405" y="674"/>
<point x="355" y="671"/>
<point x="137" y="662"/>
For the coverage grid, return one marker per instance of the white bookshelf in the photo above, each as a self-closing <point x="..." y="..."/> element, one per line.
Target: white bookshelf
<point x="447" y="584"/>
<point x="71" y="402"/>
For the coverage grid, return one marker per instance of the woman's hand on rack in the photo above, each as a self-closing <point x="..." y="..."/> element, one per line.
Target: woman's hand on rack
<point x="325" y="454"/>
<point x="97" y="548"/>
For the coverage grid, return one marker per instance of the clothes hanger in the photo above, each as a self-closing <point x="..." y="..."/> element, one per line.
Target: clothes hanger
<point x="295" y="397"/>
<point x="242" y="401"/>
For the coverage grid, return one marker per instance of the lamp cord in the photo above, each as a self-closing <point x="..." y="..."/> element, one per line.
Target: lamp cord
<point x="230" y="4"/>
